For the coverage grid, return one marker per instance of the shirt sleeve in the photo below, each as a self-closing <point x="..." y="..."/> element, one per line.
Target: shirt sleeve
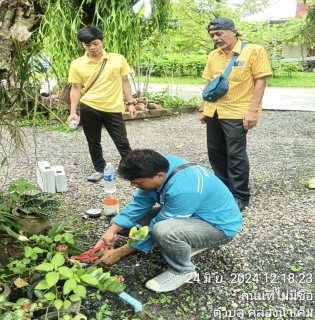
<point x="125" y="67"/>
<point x="260" y="64"/>
<point x="74" y="75"/>
<point x="140" y="205"/>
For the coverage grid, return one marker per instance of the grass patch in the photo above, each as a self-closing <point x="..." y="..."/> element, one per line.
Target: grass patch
<point x="298" y="80"/>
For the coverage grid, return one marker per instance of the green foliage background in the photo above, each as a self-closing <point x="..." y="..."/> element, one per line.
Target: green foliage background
<point x="61" y="20"/>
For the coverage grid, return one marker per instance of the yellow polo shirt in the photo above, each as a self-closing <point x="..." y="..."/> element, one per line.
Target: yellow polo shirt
<point x="252" y="63"/>
<point x="106" y="94"/>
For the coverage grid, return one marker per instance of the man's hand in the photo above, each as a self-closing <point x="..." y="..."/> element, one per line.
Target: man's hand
<point x="250" y="120"/>
<point x="132" y="111"/>
<point x="73" y="116"/>
<point x="202" y="118"/>
<point x="109" y="238"/>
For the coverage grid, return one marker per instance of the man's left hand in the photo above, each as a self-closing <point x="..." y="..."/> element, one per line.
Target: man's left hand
<point x="250" y="120"/>
<point x="132" y="111"/>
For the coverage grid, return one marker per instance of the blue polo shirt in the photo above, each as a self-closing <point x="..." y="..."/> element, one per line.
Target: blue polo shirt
<point x="193" y="192"/>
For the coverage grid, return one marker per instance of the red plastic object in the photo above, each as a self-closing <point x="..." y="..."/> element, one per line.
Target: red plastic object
<point x="91" y="255"/>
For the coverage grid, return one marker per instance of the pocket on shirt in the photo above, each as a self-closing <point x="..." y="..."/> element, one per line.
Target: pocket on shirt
<point x="112" y="73"/>
<point x="238" y="73"/>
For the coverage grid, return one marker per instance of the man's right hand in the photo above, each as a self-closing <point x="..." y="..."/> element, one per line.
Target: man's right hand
<point x="110" y="236"/>
<point x="73" y="116"/>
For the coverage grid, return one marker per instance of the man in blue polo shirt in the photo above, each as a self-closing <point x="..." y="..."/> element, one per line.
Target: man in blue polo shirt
<point x="196" y="211"/>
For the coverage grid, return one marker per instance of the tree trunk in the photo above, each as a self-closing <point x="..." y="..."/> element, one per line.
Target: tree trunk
<point x="15" y="23"/>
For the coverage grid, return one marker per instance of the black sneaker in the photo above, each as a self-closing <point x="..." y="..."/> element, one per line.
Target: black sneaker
<point x="242" y="204"/>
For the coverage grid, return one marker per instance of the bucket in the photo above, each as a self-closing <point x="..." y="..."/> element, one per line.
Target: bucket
<point x="111" y="206"/>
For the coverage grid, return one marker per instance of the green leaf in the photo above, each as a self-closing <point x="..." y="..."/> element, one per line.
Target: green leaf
<point x="132" y="231"/>
<point x="106" y="284"/>
<point x="77" y="263"/>
<point x="80" y="291"/>
<point x="66" y="272"/>
<point x="4" y="160"/>
<point x="49" y="296"/>
<point x="20" y="189"/>
<point x="58" y="260"/>
<point x="34" y="256"/>
<point x="44" y="267"/>
<point x="58" y="304"/>
<point x="104" y="276"/>
<point x="116" y="287"/>
<point x="69" y="238"/>
<point x="42" y="285"/>
<point x="39" y="250"/>
<point x="89" y="280"/>
<point x="66" y="304"/>
<point x="57" y="237"/>
<point x="52" y="278"/>
<point x="97" y="273"/>
<point x="38" y="293"/>
<point x="75" y="298"/>
<point x="69" y="286"/>
<point x="28" y="251"/>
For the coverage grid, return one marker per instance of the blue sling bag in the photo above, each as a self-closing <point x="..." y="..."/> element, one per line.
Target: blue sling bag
<point x="219" y="86"/>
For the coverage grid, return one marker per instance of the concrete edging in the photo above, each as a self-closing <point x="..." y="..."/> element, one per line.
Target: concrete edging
<point x="144" y="114"/>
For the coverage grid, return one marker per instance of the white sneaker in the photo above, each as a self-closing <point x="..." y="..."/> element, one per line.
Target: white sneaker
<point x="169" y="280"/>
<point x="95" y="177"/>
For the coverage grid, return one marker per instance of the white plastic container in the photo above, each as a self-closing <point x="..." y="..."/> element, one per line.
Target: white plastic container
<point x="111" y="207"/>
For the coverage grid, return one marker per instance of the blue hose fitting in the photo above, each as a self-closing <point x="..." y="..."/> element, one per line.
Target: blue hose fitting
<point x="137" y="306"/>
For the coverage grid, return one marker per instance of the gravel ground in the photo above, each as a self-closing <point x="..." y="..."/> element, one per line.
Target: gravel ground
<point x="267" y="269"/>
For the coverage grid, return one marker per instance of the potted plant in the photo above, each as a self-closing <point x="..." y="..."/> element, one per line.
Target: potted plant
<point x="34" y="210"/>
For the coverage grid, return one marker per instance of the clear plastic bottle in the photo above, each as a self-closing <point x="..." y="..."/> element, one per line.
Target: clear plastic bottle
<point x="73" y="125"/>
<point x="109" y="179"/>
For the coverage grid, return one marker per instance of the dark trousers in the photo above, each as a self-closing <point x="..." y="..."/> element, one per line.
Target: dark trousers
<point x="226" y="142"/>
<point x="92" y="121"/>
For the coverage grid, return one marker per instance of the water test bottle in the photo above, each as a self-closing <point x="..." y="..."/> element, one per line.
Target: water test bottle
<point x="73" y="125"/>
<point x="109" y="179"/>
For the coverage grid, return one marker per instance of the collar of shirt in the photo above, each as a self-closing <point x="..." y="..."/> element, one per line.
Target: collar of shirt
<point x="88" y="60"/>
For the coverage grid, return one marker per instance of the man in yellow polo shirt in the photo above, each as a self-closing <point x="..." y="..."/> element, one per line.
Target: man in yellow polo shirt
<point x="101" y="101"/>
<point x="229" y="118"/>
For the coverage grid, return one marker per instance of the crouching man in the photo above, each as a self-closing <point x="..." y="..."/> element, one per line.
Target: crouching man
<point x="196" y="211"/>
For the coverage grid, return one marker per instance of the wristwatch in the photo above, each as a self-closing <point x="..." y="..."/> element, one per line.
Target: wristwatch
<point x="130" y="103"/>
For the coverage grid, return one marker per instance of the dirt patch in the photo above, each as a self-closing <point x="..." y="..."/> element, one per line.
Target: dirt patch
<point x="9" y="248"/>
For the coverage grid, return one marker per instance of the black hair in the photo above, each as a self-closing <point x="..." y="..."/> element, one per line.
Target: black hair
<point x="142" y="163"/>
<point x="90" y="33"/>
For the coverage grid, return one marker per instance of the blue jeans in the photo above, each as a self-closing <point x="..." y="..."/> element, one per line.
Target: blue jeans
<point x="176" y="237"/>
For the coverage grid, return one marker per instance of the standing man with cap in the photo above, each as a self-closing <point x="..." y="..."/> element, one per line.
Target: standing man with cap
<point x="105" y="79"/>
<point x="229" y="118"/>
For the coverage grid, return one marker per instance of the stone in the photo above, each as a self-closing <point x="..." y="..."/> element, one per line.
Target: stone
<point x="311" y="183"/>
